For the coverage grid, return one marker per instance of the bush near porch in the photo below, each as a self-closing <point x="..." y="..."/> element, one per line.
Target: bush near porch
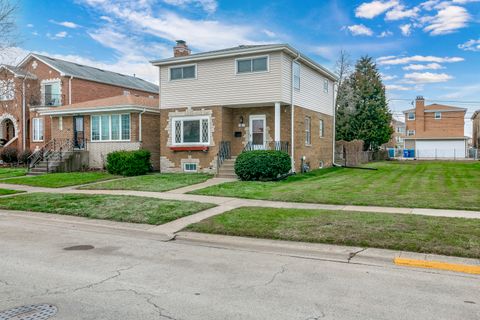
<point x="129" y="163"/>
<point x="263" y="165"/>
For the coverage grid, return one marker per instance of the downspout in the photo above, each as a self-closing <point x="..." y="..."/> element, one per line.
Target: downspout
<point x="24" y="114"/>
<point x="292" y="116"/>
<point x="334" y="130"/>
<point x="140" y="125"/>
<point x="70" y="90"/>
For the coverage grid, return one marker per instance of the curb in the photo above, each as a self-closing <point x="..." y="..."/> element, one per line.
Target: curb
<point x="336" y="253"/>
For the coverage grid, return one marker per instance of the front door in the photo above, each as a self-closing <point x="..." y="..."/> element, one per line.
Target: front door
<point x="78" y="133"/>
<point x="257" y="132"/>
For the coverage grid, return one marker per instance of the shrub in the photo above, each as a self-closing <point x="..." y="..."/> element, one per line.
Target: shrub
<point x="262" y="165"/>
<point x="128" y="163"/>
<point x="24" y="155"/>
<point x="9" y="155"/>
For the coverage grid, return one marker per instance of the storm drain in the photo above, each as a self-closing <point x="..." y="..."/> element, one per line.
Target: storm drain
<point x="29" y="312"/>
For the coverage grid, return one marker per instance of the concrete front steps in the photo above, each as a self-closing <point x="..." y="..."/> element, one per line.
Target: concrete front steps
<point x="50" y="166"/>
<point x="227" y="169"/>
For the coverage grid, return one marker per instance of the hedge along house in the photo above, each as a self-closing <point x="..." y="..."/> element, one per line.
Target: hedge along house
<point x="214" y="105"/>
<point x="98" y="127"/>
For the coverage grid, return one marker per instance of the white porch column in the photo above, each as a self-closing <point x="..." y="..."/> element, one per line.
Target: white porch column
<point x="277" y="121"/>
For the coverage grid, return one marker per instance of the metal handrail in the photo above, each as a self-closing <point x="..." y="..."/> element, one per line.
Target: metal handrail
<point x="224" y="153"/>
<point x="54" y="150"/>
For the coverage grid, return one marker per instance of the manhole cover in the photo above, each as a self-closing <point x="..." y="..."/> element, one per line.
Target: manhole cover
<point x="80" y="247"/>
<point x="30" y="312"/>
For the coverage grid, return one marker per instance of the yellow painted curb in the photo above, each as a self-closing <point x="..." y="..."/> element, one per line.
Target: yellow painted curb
<point x="464" y="268"/>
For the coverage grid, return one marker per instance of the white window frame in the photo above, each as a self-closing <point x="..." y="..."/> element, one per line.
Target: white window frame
<point x="326" y="85"/>
<point x="190" y="163"/>
<point x="38" y="133"/>
<point x="408" y="116"/>
<point x="182" y="66"/>
<point x="191" y="118"/>
<point x="7" y="90"/>
<point x="110" y="127"/>
<point x="252" y="58"/>
<point x="60" y="123"/>
<point x="410" y="133"/>
<point x="308" y="131"/>
<point x="439" y="115"/>
<point x="52" y="82"/>
<point x="295" y="76"/>
<point x="321" y="128"/>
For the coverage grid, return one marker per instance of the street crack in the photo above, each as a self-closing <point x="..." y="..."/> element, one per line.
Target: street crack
<point x="352" y="255"/>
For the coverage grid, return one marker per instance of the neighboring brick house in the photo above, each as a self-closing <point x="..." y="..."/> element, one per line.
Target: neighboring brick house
<point x="101" y="126"/>
<point x="41" y="82"/>
<point x="398" y="135"/>
<point x="216" y="104"/>
<point x="476" y="129"/>
<point x="435" y="131"/>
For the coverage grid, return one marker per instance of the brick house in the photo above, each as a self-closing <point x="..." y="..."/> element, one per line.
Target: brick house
<point x="124" y="122"/>
<point x="398" y="135"/>
<point x="476" y="129"/>
<point x="435" y="131"/>
<point x="216" y="104"/>
<point x="40" y="82"/>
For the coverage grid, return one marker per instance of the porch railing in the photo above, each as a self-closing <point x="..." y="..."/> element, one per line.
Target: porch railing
<point x="52" y="151"/>
<point x="283" y="146"/>
<point x="224" y="153"/>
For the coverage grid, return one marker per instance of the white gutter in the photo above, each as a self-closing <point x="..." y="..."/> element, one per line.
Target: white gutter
<point x="24" y="114"/>
<point x="122" y="108"/>
<point x="292" y="116"/>
<point x="140" y="125"/>
<point x="70" y="90"/>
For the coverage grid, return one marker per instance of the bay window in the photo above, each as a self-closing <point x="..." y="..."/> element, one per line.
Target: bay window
<point x="191" y="131"/>
<point x="111" y="127"/>
<point x="37" y="129"/>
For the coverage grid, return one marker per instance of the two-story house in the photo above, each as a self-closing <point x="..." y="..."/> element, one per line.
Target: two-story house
<point x="396" y="140"/>
<point x="435" y="131"/>
<point x="39" y="83"/>
<point x="216" y="104"/>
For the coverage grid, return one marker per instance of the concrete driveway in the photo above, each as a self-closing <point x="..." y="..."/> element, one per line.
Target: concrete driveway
<point x="132" y="275"/>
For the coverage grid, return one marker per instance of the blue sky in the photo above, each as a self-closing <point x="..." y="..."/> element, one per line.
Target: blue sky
<point x="429" y="47"/>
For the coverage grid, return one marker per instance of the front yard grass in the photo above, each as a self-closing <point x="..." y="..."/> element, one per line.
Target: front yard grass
<point x="426" y="234"/>
<point x="433" y="184"/>
<point x="108" y="207"/>
<point x="60" y="180"/>
<point x="157" y="182"/>
<point x="12" y="172"/>
<point x="4" y="192"/>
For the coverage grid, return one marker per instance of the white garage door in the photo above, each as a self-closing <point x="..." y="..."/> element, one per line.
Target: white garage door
<point x="440" y="149"/>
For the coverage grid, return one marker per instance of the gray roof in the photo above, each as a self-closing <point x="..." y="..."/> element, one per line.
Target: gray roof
<point x="245" y="49"/>
<point x="76" y="70"/>
<point x="18" y="71"/>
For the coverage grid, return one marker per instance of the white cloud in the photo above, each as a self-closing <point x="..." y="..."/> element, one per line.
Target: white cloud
<point x="360" y="30"/>
<point x="470" y="45"/>
<point x="426" y="77"/>
<point x="406" y="29"/>
<point x="400" y="12"/>
<point x="209" y="6"/>
<point x="30" y="25"/>
<point x="398" y="87"/>
<point x="447" y="20"/>
<point x="387" y="77"/>
<point x="58" y="35"/>
<point x="370" y="10"/>
<point x="385" y="34"/>
<point x="66" y="24"/>
<point x="396" y="60"/>
<point x="419" y="67"/>
<point x="269" y="33"/>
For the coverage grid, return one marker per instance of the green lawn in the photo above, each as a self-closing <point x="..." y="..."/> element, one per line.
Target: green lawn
<point x="60" y="180"/>
<point x="108" y="207"/>
<point x="4" y="192"/>
<point x="447" y="236"/>
<point x="12" y="172"/>
<point x="445" y="185"/>
<point x="158" y="182"/>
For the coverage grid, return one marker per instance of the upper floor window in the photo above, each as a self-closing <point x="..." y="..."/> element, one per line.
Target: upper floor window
<point x="308" y="131"/>
<point x="325" y="86"/>
<point x="184" y="72"/>
<point x="252" y="65"/>
<point x="7" y="89"/>
<point x="296" y="75"/>
<point x="191" y="130"/>
<point x="410" y="133"/>
<point x="400" y="129"/>
<point x="411" y="116"/>
<point x="114" y="127"/>
<point x="51" y="94"/>
<point x="322" y="128"/>
<point x="438" y="115"/>
<point x="37" y="129"/>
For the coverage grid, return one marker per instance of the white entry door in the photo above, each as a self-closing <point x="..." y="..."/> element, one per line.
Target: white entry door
<point x="257" y="136"/>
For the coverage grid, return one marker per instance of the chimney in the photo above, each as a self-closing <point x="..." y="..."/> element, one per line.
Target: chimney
<point x="419" y="115"/>
<point x="181" y="49"/>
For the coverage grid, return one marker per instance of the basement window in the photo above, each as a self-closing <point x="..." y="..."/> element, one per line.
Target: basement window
<point x="190" y="167"/>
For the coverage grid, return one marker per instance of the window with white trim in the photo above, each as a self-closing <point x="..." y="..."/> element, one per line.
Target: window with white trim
<point x="190" y="167"/>
<point x="325" y="86"/>
<point x="37" y="129"/>
<point x="191" y="130"/>
<point x="296" y="75"/>
<point x="410" y="133"/>
<point x="250" y="65"/>
<point x="438" y="115"/>
<point x="322" y="129"/>
<point x="183" y="72"/>
<point x="308" y="131"/>
<point x="411" y="116"/>
<point x="7" y="90"/>
<point x="110" y="127"/>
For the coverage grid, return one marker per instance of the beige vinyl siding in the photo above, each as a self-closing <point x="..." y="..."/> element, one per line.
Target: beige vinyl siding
<point x="217" y="84"/>
<point x="311" y="94"/>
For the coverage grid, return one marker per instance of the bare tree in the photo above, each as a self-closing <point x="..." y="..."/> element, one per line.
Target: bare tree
<point x="343" y="67"/>
<point x="8" y="26"/>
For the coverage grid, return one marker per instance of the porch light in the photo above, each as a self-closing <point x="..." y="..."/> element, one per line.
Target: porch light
<point x="241" y="119"/>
